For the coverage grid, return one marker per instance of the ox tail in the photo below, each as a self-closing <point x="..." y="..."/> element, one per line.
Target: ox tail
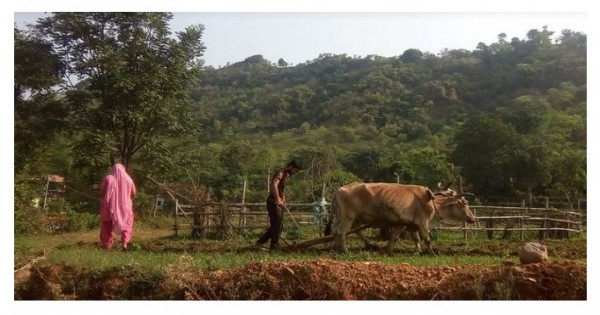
<point x="332" y="212"/>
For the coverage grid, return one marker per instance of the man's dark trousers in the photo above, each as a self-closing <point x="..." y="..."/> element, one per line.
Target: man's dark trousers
<point x="276" y="224"/>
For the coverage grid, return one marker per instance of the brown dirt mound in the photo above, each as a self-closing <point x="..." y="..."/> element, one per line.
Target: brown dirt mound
<point x="322" y="279"/>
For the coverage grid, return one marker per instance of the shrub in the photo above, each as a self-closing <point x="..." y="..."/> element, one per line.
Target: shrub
<point x="79" y="222"/>
<point x="29" y="218"/>
<point x="143" y="204"/>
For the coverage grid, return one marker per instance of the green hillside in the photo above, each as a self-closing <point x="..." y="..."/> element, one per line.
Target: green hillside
<point x="509" y="116"/>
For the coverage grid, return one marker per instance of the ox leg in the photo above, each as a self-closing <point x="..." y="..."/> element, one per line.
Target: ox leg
<point x="417" y="240"/>
<point x="339" y="236"/>
<point x="424" y="234"/>
<point x="394" y="235"/>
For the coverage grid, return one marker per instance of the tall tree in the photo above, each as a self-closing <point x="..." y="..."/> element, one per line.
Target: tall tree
<point x="38" y="113"/>
<point x="131" y="78"/>
<point x="484" y="149"/>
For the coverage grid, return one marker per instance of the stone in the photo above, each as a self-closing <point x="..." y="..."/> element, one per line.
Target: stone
<point x="532" y="252"/>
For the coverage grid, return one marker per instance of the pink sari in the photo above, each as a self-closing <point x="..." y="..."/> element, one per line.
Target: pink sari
<point x="116" y="208"/>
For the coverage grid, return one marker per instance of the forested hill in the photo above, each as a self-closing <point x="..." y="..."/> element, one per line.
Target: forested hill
<point x="509" y="116"/>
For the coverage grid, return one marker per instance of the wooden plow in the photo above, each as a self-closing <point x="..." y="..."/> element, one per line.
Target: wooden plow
<point x="320" y="240"/>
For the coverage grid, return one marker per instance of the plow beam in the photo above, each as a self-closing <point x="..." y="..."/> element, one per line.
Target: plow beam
<point x="324" y="239"/>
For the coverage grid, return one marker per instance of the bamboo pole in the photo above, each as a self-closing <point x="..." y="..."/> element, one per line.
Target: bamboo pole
<point x="46" y="191"/>
<point x="177" y="206"/>
<point x="242" y="220"/>
<point x="175" y="217"/>
<point x="169" y="189"/>
<point x="291" y="216"/>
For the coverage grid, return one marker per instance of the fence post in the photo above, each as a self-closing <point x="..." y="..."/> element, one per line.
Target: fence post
<point x="46" y="191"/>
<point x="521" y="223"/>
<point x="176" y="226"/>
<point x="242" y="222"/>
<point x="547" y="228"/>
<point x="521" y="228"/>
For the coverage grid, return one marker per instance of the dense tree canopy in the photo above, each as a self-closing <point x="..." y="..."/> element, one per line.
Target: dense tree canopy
<point x="38" y="114"/>
<point x="130" y="95"/>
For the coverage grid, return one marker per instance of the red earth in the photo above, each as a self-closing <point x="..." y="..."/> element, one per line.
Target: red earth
<point x="322" y="279"/>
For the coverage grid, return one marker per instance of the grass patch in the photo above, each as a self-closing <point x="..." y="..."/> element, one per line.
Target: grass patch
<point x="160" y="265"/>
<point x="152" y="249"/>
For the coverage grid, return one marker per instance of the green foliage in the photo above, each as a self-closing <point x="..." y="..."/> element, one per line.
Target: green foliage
<point x="57" y="217"/>
<point x="143" y="204"/>
<point x="426" y="166"/>
<point x="484" y="146"/>
<point x="29" y="219"/>
<point x="339" y="177"/>
<point x="39" y="114"/>
<point x="509" y="116"/>
<point x="78" y="222"/>
<point x="404" y="115"/>
<point x="132" y="74"/>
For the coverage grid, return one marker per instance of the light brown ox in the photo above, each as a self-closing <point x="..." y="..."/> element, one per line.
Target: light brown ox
<point x="386" y="205"/>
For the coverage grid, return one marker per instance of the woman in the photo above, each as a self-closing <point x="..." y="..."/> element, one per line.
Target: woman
<point x="116" y="208"/>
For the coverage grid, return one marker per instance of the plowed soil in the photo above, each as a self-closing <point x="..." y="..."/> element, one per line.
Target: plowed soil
<point x="314" y="279"/>
<point x="322" y="279"/>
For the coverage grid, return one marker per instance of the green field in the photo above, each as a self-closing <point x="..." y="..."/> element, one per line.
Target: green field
<point x="155" y="246"/>
<point x="159" y="265"/>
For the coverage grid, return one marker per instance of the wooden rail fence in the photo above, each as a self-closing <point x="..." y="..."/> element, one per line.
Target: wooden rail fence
<point x="237" y="217"/>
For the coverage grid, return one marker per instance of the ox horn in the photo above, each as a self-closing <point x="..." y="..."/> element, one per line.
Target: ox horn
<point x="460" y="186"/>
<point x="447" y="185"/>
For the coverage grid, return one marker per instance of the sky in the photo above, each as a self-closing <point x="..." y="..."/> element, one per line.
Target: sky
<point x="298" y="37"/>
<point x="298" y="31"/>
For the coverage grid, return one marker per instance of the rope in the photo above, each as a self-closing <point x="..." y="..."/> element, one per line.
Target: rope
<point x="83" y="194"/>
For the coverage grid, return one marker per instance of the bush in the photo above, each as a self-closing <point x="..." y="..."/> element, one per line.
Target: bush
<point x="143" y="204"/>
<point x="72" y="221"/>
<point x="80" y="222"/>
<point x="29" y="218"/>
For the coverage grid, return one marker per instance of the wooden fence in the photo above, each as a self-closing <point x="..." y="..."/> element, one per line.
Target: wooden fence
<point x="545" y="222"/>
<point x="233" y="218"/>
<point x="237" y="217"/>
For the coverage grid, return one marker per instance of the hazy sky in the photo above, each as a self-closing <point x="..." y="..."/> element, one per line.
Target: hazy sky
<point x="298" y="37"/>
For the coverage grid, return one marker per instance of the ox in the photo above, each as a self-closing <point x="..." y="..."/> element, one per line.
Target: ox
<point x="385" y="205"/>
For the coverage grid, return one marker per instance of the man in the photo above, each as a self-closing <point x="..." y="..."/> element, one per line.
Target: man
<point x="276" y="203"/>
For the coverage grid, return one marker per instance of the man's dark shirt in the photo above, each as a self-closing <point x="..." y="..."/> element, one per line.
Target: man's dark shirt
<point x="283" y="177"/>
